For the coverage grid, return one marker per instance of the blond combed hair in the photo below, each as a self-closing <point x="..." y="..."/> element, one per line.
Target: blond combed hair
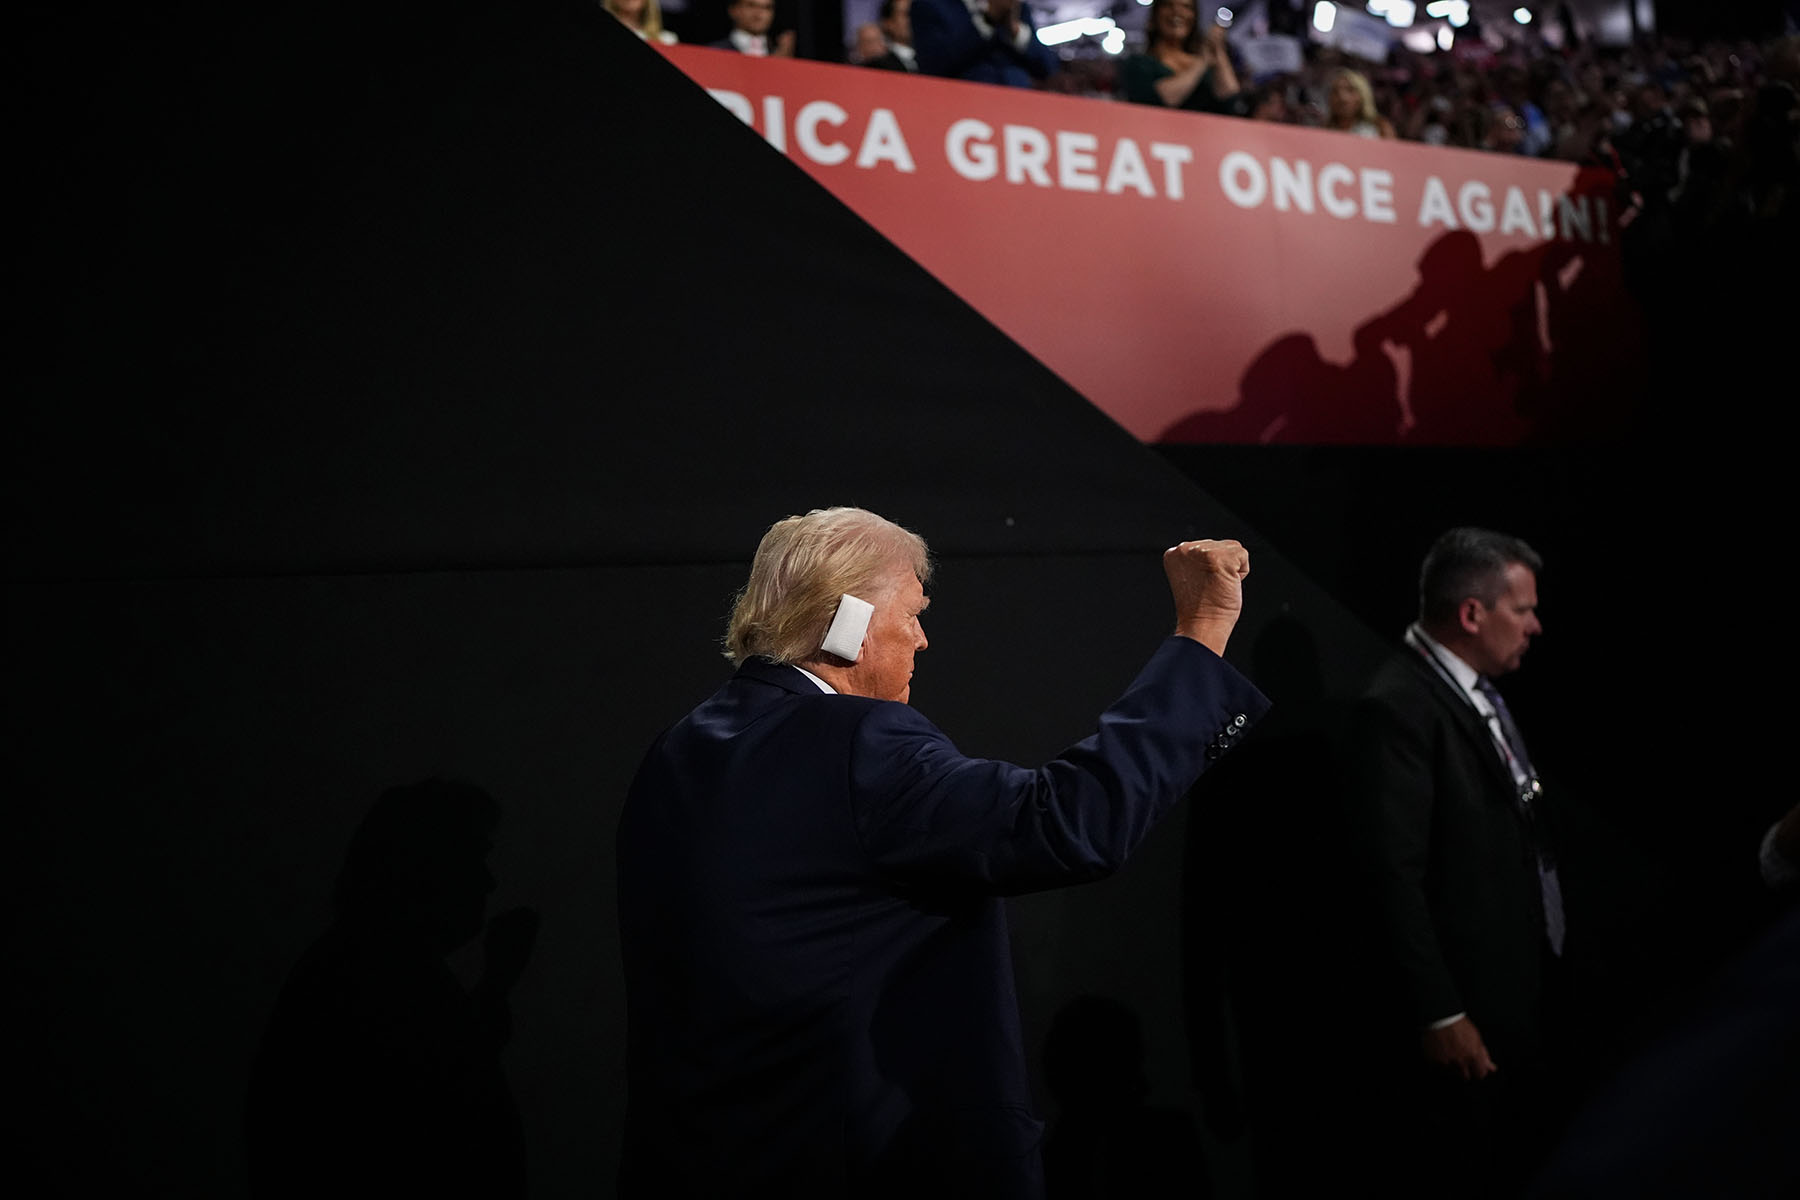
<point x="803" y="566"/>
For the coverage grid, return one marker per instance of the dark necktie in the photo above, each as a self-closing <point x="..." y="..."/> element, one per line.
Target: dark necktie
<point x="1548" y="881"/>
<point x="1514" y="742"/>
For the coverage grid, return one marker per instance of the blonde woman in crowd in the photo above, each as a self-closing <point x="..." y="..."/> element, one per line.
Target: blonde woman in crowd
<point x="1350" y="106"/>
<point x="642" y="17"/>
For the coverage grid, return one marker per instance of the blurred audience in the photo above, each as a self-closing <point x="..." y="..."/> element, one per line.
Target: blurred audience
<point x="1703" y="137"/>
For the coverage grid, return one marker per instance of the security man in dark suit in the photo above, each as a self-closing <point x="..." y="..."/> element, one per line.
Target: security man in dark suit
<point x="819" y="989"/>
<point x="1460" y="855"/>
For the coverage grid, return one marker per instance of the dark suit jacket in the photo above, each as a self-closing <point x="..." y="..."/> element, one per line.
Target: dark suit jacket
<point x="888" y="62"/>
<point x="819" y="987"/>
<point x="1451" y="858"/>
<point x="948" y="44"/>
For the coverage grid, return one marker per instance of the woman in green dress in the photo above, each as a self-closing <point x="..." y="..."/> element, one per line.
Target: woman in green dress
<point x="1181" y="67"/>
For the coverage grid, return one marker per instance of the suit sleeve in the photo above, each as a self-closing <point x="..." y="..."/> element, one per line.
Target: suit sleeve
<point x="1037" y="58"/>
<point x="944" y="39"/>
<point x="925" y="812"/>
<point x="1396" y="796"/>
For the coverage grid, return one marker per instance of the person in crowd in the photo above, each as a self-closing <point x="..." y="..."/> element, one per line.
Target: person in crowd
<point x="870" y="47"/>
<point x="887" y="44"/>
<point x="895" y="25"/>
<point x="1535" y="134"/>
<point x="1180" y="66"/>
<point x="983" y="41"/>
<point x="1434" y="124"/>
<point x="1350" y="106"/>
<point x="1561" y="118"/>
<point x="1269" y="103"/>
<point x="750" y="23"/>
<point x="1506" y="131"/>
<point x="642" y="17"/>
<point x="819" y="993"/>
<point x="1470" y="123"/>
<point x="1459" y="849"/>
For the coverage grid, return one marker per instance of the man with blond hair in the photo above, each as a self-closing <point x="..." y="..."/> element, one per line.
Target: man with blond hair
<point x="820" y="994"/>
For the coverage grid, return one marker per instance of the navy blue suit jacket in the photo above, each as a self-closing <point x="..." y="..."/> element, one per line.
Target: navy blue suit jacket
<point x="820" y="992"/>
<point x="947" y="43"/>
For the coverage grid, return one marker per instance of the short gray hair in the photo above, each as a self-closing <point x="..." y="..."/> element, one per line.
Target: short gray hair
<point x="802" y="567"/>
<point x="1467" y="562"/>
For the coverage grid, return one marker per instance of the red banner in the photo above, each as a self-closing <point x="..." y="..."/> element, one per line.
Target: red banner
<point x="1210" y="279"/>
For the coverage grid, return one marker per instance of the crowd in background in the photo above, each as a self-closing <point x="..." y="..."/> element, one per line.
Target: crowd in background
<point x="1711" y="129"/>
<point x="1705" y="135"/>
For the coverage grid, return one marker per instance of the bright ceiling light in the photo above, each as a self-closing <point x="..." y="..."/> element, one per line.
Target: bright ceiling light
<point x="1446" y="39"/>
<point x="1400" y="13"/>
<point x="1324" y="16"/>
<point x="1522" y="15"/>
<point x="1068" y="31"/>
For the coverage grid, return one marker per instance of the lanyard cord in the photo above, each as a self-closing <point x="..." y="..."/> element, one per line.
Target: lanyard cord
<point x="1488" y="720"/>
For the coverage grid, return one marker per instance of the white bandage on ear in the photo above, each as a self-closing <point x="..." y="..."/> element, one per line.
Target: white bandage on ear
<point x="848" y="625"/>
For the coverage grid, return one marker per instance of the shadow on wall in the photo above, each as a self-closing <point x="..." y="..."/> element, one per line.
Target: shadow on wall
<point x="1517" y="351"/>
<point x="1107" y="1142"/>
<point x="379" y="1073"/>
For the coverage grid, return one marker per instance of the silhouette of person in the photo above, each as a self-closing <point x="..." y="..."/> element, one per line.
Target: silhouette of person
<point x="1468" y="345"/>
<point x="1108" y="1143"/>
<point x="1292" y="393"/>
<point x="379" y="1074"/>
<point x="1271" y="925"/>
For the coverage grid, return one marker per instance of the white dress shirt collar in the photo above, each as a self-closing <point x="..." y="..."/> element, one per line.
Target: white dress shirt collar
<point x="823" y="686"/>
<point x="1466" y="677"/>
<point x="750" y="43"/>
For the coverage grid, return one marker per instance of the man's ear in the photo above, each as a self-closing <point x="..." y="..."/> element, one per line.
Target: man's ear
<point x="1470" y="613"/>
